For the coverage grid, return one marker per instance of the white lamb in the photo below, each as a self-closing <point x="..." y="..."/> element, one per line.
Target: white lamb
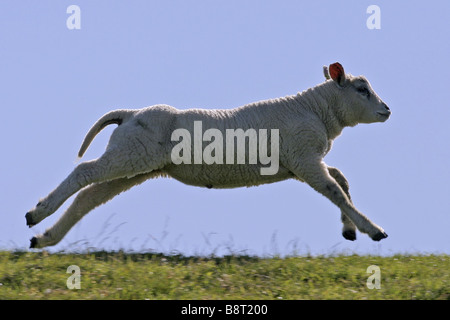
<point x="141" y="148"/>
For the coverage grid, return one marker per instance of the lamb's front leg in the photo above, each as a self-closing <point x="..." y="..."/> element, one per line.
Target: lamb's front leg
<point x="316" y="174"/>
<point x="86" y="200"/>
<point x="349" y="228"/>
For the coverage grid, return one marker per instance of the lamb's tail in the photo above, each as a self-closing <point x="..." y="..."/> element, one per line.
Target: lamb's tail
<point x="113" y="117"/>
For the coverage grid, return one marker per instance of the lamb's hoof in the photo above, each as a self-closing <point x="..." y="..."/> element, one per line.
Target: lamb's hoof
<point x="33" y="242"/>
<point x="29" y="218"/>
<point x="349" y="235"/>
<point x="380" y="235"/>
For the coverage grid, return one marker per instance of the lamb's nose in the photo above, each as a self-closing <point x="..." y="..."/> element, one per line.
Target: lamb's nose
<point x="387" y="108"/>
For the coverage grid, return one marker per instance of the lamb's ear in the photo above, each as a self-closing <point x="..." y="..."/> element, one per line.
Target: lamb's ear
<point x="326" y="73"/>
<point x="337" y="73"/>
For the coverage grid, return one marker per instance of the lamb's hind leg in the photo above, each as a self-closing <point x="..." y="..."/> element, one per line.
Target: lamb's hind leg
<point x="113" y="164"/>
<point x="349" y="228"/>
<point x="85" y="201"/>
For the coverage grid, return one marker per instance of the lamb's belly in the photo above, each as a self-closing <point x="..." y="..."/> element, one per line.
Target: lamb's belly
<point x="224" y="176"/>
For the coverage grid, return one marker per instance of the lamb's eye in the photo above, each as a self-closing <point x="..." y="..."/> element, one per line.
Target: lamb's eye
<point x="364" y="91"/>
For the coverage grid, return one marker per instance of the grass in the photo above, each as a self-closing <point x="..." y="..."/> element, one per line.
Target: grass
<point x="118" y="275"/>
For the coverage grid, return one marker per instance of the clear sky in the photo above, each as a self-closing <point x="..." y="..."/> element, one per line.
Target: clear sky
<point x="56" y="82"/>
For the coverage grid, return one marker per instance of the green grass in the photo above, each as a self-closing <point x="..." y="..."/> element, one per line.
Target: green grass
<point x="105" y="275"/>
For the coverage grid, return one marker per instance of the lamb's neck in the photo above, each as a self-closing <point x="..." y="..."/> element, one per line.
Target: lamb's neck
<point x="321" y="101"/>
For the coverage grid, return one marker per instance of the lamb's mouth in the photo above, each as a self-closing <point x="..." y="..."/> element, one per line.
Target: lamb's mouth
<point x="384" y="114"/>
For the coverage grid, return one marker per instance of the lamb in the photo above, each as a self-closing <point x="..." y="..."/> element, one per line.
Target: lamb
<point x="143" y="147"/>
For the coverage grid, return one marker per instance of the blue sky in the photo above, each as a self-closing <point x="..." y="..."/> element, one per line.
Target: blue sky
<point x="55" y="83"/>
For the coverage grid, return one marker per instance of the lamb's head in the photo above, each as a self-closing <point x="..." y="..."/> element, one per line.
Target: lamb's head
<point x="355" y="99"/>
